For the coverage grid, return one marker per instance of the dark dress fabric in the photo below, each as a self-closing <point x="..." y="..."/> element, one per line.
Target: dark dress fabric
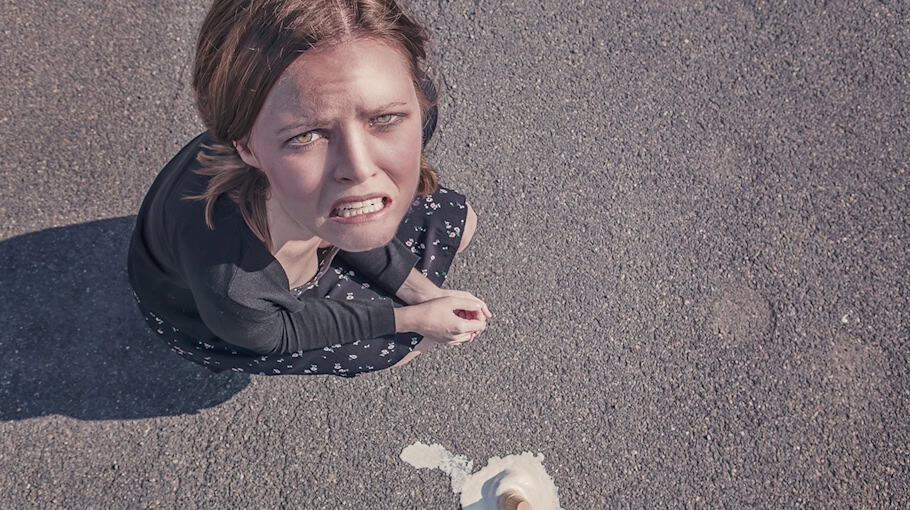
<point x="221" y="283"/>
<point x="432" y="229"/>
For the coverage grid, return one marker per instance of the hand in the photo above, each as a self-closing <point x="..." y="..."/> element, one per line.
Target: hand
<point x="462" y="339"/>
<point x="467" y="295"/>
<point x="417" y="289"/>
<point x="450" y="320"/>
<point x="450" y="343"/>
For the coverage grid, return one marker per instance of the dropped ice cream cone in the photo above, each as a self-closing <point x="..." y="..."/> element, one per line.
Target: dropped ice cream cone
<point x="516" y="482"/>
<point x="513" y="500"/>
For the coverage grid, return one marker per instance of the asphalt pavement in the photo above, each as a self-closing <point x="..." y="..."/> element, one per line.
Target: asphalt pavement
<point x="693" y="234"/>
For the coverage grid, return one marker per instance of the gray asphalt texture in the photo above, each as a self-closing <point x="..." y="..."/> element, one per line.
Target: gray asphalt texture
<point x="693" y="235"/>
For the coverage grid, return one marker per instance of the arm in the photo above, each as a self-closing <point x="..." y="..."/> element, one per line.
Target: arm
<point x="447" y="316"/>
<point x="387" y="266"/>
<point x="392" y="268"/>
<point x="448" y="319"/>
<point x="240" y="293"/>
<point x="281" y="327"/>
<point x="417" y="288"/>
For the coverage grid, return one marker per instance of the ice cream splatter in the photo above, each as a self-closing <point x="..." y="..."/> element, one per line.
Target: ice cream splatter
<point x="523" y="474"/>
<point x="458" y="467"/>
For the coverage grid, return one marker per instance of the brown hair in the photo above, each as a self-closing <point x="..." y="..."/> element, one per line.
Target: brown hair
<point x="245" y="45"/>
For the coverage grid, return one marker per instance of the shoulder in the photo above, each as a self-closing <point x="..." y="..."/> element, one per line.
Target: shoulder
<point x="227" y="243"/>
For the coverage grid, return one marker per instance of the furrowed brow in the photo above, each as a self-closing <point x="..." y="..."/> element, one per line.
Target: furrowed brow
<point x="305" y="122"/>
<point x="299" y="124"/>
<point x="385" y="108"/>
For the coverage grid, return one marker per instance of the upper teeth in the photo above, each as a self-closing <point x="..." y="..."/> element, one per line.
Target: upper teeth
<point x="354" y="208"/>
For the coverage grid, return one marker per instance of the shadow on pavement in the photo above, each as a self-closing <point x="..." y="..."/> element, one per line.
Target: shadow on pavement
<point x="72" y="341"/>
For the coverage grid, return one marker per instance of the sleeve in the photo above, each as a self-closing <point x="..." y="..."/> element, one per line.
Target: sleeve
<point x="241" y="295"/>
<point x="387" y="266"/>
<point x="267" y="327"/>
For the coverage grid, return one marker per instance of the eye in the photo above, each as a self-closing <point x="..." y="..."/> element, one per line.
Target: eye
<point x="385" y="120"/>
<point x="306" y="138"/>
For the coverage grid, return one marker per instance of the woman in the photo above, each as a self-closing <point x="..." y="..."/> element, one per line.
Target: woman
<point x="303" y="232"/>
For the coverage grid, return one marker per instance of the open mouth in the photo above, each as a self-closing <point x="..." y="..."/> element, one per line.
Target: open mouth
<point x="360" y="208"/>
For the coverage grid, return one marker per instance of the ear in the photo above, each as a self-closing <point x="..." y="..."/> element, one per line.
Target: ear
<point x="243" y="150"/>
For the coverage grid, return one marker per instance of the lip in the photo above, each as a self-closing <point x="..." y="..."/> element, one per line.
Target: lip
<point x="362" y="218"/>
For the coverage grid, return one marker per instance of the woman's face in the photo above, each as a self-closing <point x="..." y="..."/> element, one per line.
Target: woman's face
<point x="339" y="138"/>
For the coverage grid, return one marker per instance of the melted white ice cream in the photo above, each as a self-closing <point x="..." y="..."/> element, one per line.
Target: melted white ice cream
<point x="523" y="474"/>
<point x="458" y="467"/>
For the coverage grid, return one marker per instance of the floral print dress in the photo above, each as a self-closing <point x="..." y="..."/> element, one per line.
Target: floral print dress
<point x="432" y="229"/>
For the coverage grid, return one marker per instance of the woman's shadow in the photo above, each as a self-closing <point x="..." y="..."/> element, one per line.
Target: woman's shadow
<point x="72" y="341"/>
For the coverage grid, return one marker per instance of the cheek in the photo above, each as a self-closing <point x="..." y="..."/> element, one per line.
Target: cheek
<point x="405" y="155"/>
<point x="292" y="179"/>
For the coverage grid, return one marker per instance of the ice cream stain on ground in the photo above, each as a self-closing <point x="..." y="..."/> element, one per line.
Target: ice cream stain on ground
<point x="516" y="474"/>
<point x="458" y="467"/>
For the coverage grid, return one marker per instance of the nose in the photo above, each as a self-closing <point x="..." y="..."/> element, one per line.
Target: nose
<point x="354" y="163"/>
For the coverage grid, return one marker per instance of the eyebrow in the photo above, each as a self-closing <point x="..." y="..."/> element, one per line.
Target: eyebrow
<point x="317" y="121"/>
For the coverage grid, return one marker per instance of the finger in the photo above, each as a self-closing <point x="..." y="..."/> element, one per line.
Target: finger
<point x="465" y="303"/>
<point x="469" y="315"/>
<point x="467" y="295"/>
<point x="474" y="325"/>
<point x="484" y="309"/>
<point x="460" y="339"/>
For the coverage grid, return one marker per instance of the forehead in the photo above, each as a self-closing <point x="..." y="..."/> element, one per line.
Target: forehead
<point x="355" y="74"/>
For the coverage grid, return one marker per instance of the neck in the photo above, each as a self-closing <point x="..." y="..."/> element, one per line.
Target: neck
<point x="293" y="246"/>
<point x="283" y="228"/>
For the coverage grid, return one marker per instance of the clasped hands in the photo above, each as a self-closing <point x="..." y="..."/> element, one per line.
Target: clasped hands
<point x="451" y="317"/>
